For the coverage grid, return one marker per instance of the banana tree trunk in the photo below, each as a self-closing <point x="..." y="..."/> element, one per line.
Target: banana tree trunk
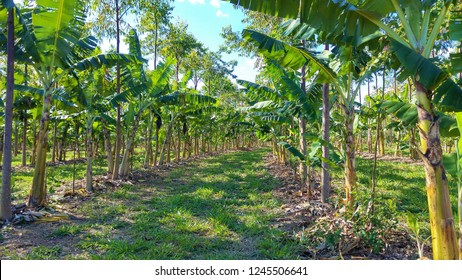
<point x="169" y="148"/>
<point x="186" y="145"/>
<point x="444" y="241"/>
<point x="196" y="145"/>
<point x="147" y="157"/>
<point x="55" y="142"/>
<point x="275" y="146"/>
<point x="62" y="150"/>
<point x="33" y="157"/>
<point x="38" y="192"/>
<point x="107" y="144"/>
<point x="165" y="151"/>
<point x="156" y="153"/>
<point x="381" y="139"/>
<point x="89" y="175"/>
<point x="398" y="140"/>
<point x="118" y="145"/>
<point x="178" y="146"/>
<point x="24" y="142"/>
<point x="125" y="165"/>
<point x="350" y="157"/>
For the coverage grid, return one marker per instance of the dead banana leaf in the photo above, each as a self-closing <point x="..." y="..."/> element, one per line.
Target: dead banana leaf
<point x="53" y="218"/>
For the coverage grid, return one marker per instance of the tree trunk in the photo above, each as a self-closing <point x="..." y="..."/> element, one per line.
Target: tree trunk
<point x="196" y="145"/>
<point x="62" y="150"/>
<point x="381" y="138"/>
<point x="156" y="38"/>
<point x="398" y="139"/>
<point x="24" y="142"/>
<point x="38" y="193"/>
<point x="147" y="157"/>
<point x="165" y="151"/>
<point x="444" y="242"/>
<point x="302" y="129"/>
<point x="33" y="158"/>
<point x="124" y="166"/>
<point x="178" y="146"/>
<point x="325" y="175"/>
<point x="157" y="145"/>
<point x="55" y="141"/>
<point x="186" y="149"/>
<point x="118" y="142"/>
<point x="107" y="144"/>
<point x="1" y="146"/>
<point x="369" y="132"/>
<point x="5" y="194"/>
<point x="169" y="149"/>
<point x="350" y="157"/>
<point x="16" y="139"/>
<point x="89" y="175"/>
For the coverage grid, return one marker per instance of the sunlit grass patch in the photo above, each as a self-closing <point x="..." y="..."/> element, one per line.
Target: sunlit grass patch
<point x="45" y="253"/>
<point x="67" y="229"/>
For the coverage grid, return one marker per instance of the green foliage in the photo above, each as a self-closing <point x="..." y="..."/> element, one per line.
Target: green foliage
<point x="293" y="150"/>
<point x="290" y="56"/>
<point x="45" y="253"/>
<point x="67" y="229"/>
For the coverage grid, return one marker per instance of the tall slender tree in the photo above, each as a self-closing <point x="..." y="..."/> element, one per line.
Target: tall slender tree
<point x="5" y="195"/>
<point x="325" y="175"/>
<point x="109" y="23"/>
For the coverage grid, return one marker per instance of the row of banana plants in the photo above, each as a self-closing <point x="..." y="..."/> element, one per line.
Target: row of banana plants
<point x="419" y="41"/>
<point x="67" y="88"/>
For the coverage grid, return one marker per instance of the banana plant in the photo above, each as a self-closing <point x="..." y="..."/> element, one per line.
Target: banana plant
<point x="143" y="93"/>
<point x="179" y="103"/>
<point x="50" y="38"/>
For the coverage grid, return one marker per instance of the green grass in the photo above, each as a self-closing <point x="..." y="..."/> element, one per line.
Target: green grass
<point x="400" y="189"/>
<point x="57" y="176"/>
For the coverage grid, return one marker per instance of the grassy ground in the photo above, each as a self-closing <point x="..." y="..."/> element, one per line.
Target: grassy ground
<point x="57" y="176"/>
<point x="400" y="189"/>
<point x="217" y="208"/>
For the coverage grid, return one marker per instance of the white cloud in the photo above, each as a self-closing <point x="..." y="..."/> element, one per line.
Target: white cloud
<point x="221" y="14"/>
<point x="215" y="3"/>
<point x="202" y="2"/>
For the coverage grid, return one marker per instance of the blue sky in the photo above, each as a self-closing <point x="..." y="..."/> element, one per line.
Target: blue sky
<point x="205" y="19"/>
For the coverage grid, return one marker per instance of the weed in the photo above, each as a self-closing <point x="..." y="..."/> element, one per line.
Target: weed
<point x="45" y="253"/>
<point x="67" y="229"/>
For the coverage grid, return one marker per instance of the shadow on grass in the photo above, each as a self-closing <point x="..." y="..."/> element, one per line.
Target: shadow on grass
<point x="216" y="208"/>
